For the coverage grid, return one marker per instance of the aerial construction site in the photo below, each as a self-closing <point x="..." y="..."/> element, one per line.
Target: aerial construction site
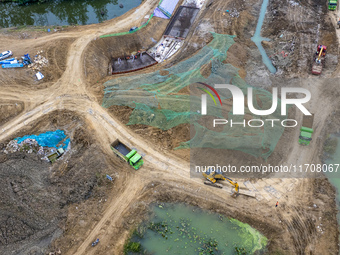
<point x="169" y="127"/>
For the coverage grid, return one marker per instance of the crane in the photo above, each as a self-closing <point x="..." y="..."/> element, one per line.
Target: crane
<point x="213" y="176"/>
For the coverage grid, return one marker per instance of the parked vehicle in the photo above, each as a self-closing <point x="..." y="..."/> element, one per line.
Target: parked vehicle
<point x="95" y="242"/>
<point x="57" y="154"/>
<point x="306" y="130"/>
<point x="332" y="5"/>
<point x="127" y="154"/>
<point x="5" y="54"/>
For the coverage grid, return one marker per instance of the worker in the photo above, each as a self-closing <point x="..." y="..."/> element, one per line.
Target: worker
<point x="277" y="204"/>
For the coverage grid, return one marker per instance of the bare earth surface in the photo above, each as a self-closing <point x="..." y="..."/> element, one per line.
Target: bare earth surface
<point x="88" y="207"/>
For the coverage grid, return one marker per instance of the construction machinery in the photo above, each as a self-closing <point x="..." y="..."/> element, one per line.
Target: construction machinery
<point x="55" y="155"/>
<point x="332" y="5"/>
<point x="95" y="242"/>
<point x="26" y="59"/>
<point x="306" y="130"/>
<point x="5" y="54"/>
<point x="213" y="176"/>
<point x="319" y="59"/>
<point x="125" y="153"/>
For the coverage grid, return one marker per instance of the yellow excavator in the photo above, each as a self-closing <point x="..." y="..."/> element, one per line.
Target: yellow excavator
<point x="214" y="176"/>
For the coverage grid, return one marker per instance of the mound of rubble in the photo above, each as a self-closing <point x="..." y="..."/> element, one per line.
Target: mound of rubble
<point x="28" y="146"/>
<point x="38" y="62"/>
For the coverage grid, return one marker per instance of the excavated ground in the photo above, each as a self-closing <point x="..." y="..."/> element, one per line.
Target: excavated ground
<point x="68" y="205"/>
<point x="36" y="195"/>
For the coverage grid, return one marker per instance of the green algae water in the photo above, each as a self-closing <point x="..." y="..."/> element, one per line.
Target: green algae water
<point x="182" y="229"/>
<point x="63" y="12"/>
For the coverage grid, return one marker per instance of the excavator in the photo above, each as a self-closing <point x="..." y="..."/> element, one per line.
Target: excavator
<point x="319" y="59"/>
<point x="213" y="176"/>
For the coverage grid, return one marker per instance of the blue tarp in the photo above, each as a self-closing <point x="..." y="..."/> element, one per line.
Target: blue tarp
<point x="48" y="139"/>
<point x="168" y="6"/>
<point x="12" y="65"/>
<point x="7" y="61"/>
<point x="158" y="13"/>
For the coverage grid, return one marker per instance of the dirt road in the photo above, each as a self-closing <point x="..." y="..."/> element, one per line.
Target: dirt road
<point x="71" y="92"/>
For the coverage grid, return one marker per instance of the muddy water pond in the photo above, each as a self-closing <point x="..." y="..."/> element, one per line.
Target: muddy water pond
<point x="183" y="229"/>
<point x="63" y="12"/>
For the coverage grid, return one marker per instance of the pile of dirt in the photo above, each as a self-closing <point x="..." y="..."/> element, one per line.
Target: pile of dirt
<point x="167" y="140"/>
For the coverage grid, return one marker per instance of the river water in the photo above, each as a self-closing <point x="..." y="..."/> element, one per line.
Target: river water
<point x="63" y="12"/>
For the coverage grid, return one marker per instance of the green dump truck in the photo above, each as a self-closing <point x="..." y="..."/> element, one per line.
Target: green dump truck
<point x="332" y="5"/>
<point x="125" y="153"/>
<point x="306" y="130"/>
<point x="53" y="156"/>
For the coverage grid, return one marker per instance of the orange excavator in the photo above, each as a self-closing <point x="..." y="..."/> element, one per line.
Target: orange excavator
<point x="212" y="176"/>
<point x="319" y="59"/>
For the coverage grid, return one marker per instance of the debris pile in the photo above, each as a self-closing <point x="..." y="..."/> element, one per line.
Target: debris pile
<point x="55" y="252"/>
<point x="293" y="3"/>
<point x="233" y="13"/>
<point x="28" y="145"/>
<point x="39" y="62"/>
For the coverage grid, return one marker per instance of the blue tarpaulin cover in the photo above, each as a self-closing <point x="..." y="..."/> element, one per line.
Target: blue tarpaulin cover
<point x="158" y="13"/>
<point x="48" y="139"/>
<point x="168" y="5"/>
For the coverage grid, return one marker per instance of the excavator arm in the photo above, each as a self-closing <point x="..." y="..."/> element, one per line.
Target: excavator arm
<point x="320" y="53"/>
<point x="235" y="184"/>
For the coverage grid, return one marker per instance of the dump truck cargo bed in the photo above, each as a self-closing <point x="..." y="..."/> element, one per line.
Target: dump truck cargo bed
<point x="308" y="121"/>
<point x="317" y="69"/>
<point x="127" y="154"/>
<point x="120" y="147"/>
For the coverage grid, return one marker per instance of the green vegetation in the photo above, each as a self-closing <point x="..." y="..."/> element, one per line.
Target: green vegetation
<point x="132" y="247"/>
<point x="209" y="247"/>
<point x="181" y="229"/>
<point x="24" y="1"/>
<point x="240" y="251"/>
<point x="330" y="145"/>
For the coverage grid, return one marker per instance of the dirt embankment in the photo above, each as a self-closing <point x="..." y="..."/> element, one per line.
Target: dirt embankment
<point x="36" y="195"/>
<point x="100" y="52"/>
<point x="9" y="109"/>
